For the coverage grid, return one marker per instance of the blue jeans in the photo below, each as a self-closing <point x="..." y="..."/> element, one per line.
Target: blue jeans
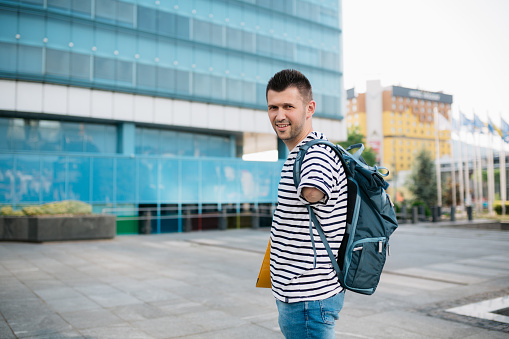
<point x="310" y="319"/>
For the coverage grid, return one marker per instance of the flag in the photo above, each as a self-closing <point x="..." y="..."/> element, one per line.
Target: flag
<point x="491" y="127"/>
<point x="478" y="124"/>
<point x="466" y="122"/>
<point x="505" y="130"/>
<point x="443" y="123"/>
<point x="455" y="124"/>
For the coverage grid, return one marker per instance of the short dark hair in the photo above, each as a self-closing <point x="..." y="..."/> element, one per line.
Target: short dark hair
<point x="290" y="78"/>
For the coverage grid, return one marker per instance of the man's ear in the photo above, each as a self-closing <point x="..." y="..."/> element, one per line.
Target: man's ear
<point x="310" y="108"/>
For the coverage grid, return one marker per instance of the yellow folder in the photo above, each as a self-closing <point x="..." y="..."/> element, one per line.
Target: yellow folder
<point x="264" y="275"/>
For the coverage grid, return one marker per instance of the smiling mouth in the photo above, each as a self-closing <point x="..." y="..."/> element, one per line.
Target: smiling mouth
<point x="282" y="125"/>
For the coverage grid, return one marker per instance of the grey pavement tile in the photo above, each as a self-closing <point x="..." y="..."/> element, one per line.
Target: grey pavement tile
<point x="115" y="332"/>
<point x="5" y="330"/>
<point x="114" y="299"/>
<point x="66" y="305"/>
<point x="168" y="327"/>
<point x="213" y="319"/>
<point x="91" y="318"/>
<point x="138" y="312"/>
<point x="248" y="331"/>
<point x="57" y="335"/>
<point x="57" y="292"/>
<point x="151" y="294"/>
<point x="37" y="324"/>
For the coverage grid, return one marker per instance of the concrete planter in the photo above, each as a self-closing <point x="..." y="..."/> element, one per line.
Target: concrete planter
<point x="57" y="228"/>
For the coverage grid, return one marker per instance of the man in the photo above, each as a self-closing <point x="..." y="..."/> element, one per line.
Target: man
<point x="304" y="283"/>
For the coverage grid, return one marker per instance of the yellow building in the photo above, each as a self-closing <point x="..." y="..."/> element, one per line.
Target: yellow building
<point x="399" y="121"/>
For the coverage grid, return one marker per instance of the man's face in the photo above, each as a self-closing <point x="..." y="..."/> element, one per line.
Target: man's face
<point x="290" y="115"/>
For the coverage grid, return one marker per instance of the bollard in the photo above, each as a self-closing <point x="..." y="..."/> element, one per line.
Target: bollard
<point x="145" y="225"/>
<point x="222" y="220"/>
<point x="403" y="214"/>
<point x="415" y="215"/>
<point x="188" y="226"/>
<point x="439" y="212"/>
<point x="422" y="213"/>
<point x="255" y="219"/>
<point x="434" y="213"/>
<point x="453" y="213"/>
<point x="469" y="213"/>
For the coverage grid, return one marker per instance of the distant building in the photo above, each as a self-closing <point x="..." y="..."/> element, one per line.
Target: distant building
<point x="150" y="104"/>
<point x="399" y="121"/>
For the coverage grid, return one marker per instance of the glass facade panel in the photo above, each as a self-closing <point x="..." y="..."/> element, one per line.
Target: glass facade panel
<point x="148" y="180"/>
<point x="7" y="172"/>
<point x="102" y="177"/>
<point x="169" y="186"/>
<point x="53" y="178"/>
<point x="8" y="57"/>
<point x="191" y="176"/>
<point x="27" y="179"/>
<point x="78" y="178"/>
<point x="57" y="62"/>
<point x="125" y="179"/>
<point x="29" y="60"/>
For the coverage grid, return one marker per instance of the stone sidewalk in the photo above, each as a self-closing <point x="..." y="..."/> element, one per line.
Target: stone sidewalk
<point x="201" y="285"/>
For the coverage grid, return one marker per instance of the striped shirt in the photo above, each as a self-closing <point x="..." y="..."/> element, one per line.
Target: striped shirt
<point x="293" y="274"/>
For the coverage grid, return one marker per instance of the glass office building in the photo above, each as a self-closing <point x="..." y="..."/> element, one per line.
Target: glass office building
<point x="152" y="103"/>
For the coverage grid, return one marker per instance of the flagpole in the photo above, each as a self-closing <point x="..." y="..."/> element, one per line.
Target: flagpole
<point x="479" y="174"/>
<point x="437" y="160"/>
<point x="466" y="172"/>
<point x="501" y="161"/>
<point x="453" y="167"/>
<point x="460" y="171"/>
<point x="491" y="177"/>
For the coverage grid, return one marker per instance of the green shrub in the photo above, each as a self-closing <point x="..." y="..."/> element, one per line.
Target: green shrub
<point x="417" y="203"/>
<point x="497" y="205"/>
<point x="54" y="208"/>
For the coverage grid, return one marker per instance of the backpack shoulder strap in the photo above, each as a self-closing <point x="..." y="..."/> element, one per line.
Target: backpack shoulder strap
<point x="302" y="152"/>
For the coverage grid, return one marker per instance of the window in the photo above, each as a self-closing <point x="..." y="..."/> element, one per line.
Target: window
<point x="57" y="62"/>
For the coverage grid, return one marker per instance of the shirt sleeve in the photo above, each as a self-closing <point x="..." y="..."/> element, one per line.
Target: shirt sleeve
<point x="317" y="171"/>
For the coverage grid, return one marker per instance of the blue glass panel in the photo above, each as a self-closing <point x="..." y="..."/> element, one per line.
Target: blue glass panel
<point x="27" y="179"/>
<point x="147" y="49"/>
<point x="57" y="62"/>
<point x="266" y="182"/>
<point x="8" y="25"/>
<point x="82" y="7"/>
<point x="31" y="29"/>
<point x="190" y="181"/>
<point x="29" y="59"/>
<point x="126" y="179"/>
<point x="8" y="57"/>
<point x="82" y="37"/>
<point x="170" y="181"/>
<point x="147" y="19"/>
<point x="125" y="13"/>
<point x="126" y="44"/>
<point x="168" y="143"/>
<point x="105" y="41"/>
<point x="211" y="185"/>
<point x="248" y="173"/>
<point x="230" y="180"/>
<point x="80" y="66"/>
<point x="102" y="178"/>
<point x="78" y="177"/>
<point x="58" y="33"/>
<point x="6" y="178"/>
<point x="186" y="144"/>
<point x="147" y="185"/>
<point x="63" y="5"/>
<point x="106" y="9"/>
<point x="53" y="178"/>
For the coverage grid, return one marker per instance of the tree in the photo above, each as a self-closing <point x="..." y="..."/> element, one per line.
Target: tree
<point x="354" y="137"/>
<point x="422" y="181"/>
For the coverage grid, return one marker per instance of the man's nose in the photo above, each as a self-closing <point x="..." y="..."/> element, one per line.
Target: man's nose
<point x="280" y="115"/>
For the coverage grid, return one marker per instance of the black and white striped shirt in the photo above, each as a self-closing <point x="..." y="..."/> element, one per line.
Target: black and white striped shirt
<point x="292" y="271"/>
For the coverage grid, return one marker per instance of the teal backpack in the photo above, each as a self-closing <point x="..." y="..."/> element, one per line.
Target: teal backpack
<point x="371" y="220"/>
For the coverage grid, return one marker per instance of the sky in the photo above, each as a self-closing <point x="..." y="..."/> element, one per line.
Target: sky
<point x="460" y="47"/>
